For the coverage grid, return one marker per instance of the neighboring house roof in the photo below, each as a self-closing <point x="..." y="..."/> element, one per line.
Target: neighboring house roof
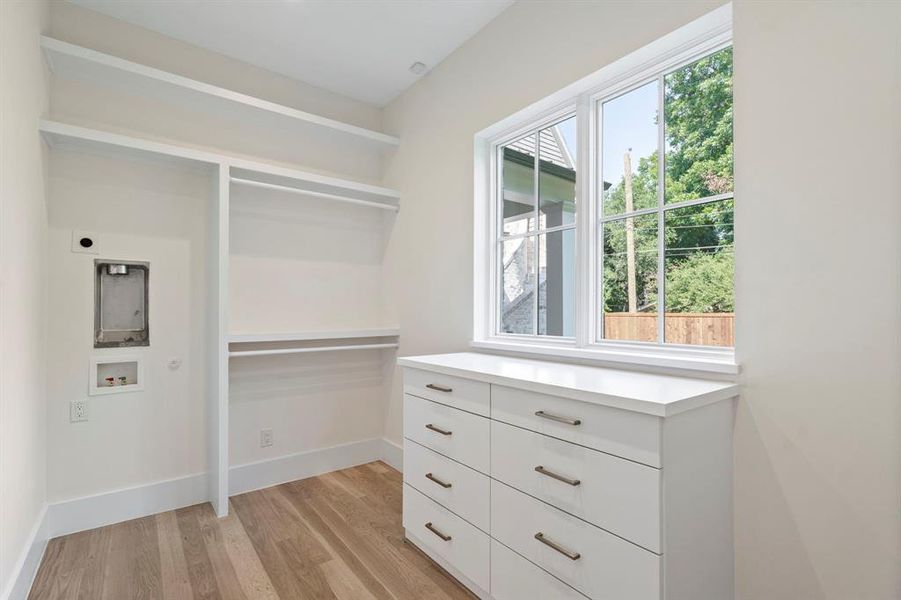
<point x="551" y="147"/>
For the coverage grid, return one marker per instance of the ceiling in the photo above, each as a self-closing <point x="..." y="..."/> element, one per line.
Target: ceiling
<point x="359" y="48"/>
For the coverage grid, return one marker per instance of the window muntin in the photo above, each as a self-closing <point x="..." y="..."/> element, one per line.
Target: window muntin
<point x="536" y="240"/>
<point x="687" y="214"/>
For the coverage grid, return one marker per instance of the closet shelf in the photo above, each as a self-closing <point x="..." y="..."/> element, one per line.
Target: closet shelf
<point x="253" y="172"/>
<point x="78" y="62"/>
<point x="294" y="190"/>
<point x="269" y="352"/>
<point x="312" y="336"/>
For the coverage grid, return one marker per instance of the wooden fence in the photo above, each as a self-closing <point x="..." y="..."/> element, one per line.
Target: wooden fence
<point x="707" y="329"/>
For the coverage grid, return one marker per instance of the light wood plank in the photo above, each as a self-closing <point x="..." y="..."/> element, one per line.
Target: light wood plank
<point x="333" y="537"/>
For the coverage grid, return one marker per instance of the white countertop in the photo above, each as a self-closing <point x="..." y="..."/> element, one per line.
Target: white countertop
<point x="660" y="395"/>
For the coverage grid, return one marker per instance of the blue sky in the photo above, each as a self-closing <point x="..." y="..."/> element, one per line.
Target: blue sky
<point x="629" y="121"/>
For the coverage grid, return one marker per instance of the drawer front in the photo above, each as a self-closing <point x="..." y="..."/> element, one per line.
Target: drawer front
<point x="632" y="435"/>
<point x="446" y="535"/>
<point x="515" y="578"/>
<point x="465" y="394"/>
<point x="459" y="435"/>
<point x="617" y="494"/>
<point x="456" y="487"/>
<point x="598" y="564"/>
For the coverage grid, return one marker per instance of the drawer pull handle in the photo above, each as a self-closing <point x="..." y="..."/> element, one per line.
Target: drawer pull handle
<point x="567" y="553"/>
<point x="443" y="536"/>
<point x="552" y="475"/>
<point x="558" y="418"/>
<point x="438" y="429"/>
<point x="439" y="388"/>
<point x="443" y="484"/>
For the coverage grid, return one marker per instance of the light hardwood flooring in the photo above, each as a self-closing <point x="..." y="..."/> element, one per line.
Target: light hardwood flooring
<point x="336" y="536"/>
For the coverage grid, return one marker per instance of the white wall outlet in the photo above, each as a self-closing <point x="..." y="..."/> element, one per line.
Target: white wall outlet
<point x="78" y="411"/>
<point x="85" y="242"/>
<point x="265" y="438"/>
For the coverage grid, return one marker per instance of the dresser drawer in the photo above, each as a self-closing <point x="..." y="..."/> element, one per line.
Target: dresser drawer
<point x="632" y="435"/>
<point x="459" y="435"/>
<point x="515" y="578"/>
<point x="445" y="534"/>
<point x="614" y="493"/>
<point x="598" y="564"/>
<point x="461" y="489"/>
<point x="465" y="394"/>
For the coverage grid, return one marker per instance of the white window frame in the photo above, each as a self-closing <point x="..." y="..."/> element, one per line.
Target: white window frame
<point x="695" y="40"/>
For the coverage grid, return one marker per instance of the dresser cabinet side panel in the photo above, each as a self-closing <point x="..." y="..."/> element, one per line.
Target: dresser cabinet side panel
<point x="697" y="503"/>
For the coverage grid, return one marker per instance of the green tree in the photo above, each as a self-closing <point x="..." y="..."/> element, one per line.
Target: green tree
<point x="698" y="163"/>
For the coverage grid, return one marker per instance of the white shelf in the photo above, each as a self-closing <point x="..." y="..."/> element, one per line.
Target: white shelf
<point x="57" y="133"/>
<point x="275" y="351"/>
<point x="79" y="62"/>
<point x="311" y="336"/>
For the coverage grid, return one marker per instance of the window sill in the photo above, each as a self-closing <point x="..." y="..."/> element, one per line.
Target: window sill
<point x="719" y="362"/>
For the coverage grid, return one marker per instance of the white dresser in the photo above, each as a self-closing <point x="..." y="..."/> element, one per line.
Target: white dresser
<point x="528" y="479"/>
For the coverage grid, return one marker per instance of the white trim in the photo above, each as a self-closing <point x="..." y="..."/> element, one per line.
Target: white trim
<point x="63" y="56"/>
<point x="310" y="193"/>
<point x="24" y="571"/>
<point x="309" y="336"/>
<point x="650" y="355"/>
<point x="107" y="508"/>
<point x="275" y="471"/>
<point x="393" y="454"/>
<point x="274" y="351"/>
<point x="95" y="389"/>
<point x="89" y="512"/>
<point x="707" y="34"/>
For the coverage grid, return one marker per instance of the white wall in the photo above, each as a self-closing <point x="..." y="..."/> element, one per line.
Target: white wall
<point x="295" y="264"/>
<point x="818" y="303"/>
<point x="818" y="286"/>
<point x="23" y="228"/>
<point x="302" y="264"/>
<point x="143" y="210"/>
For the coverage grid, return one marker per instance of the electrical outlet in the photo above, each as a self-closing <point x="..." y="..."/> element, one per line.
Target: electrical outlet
<point x="265" y="438"/>
<point x="78" y="411"/>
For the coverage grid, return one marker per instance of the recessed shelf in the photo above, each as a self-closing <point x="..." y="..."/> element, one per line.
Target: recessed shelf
<point x="312" y="336"/>
<point x="79" y="62"/>
<point x="57" y="133"/>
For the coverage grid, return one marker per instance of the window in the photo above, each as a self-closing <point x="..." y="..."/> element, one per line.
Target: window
<point x="609" y="219"/>
<point x="666" y="264"/>
<point x="537" y="220"/>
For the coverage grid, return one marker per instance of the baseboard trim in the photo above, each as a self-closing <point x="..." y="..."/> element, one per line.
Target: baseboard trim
<point x="267" y="473"/>
<point x="393" y="454"/>
<point x="80" y="514"/>
<point x="26" y="567"/>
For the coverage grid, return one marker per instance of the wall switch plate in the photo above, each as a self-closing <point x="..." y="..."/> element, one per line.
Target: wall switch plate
<point x="78" y="411"/>
<point x="85" y="242"/>
<point x="265" y="438"/>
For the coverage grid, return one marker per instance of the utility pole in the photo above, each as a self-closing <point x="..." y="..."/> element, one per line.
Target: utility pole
<point x="630" y="234"/>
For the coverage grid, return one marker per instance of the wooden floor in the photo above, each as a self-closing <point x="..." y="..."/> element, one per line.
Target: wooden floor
<point x="335" y="536"/>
